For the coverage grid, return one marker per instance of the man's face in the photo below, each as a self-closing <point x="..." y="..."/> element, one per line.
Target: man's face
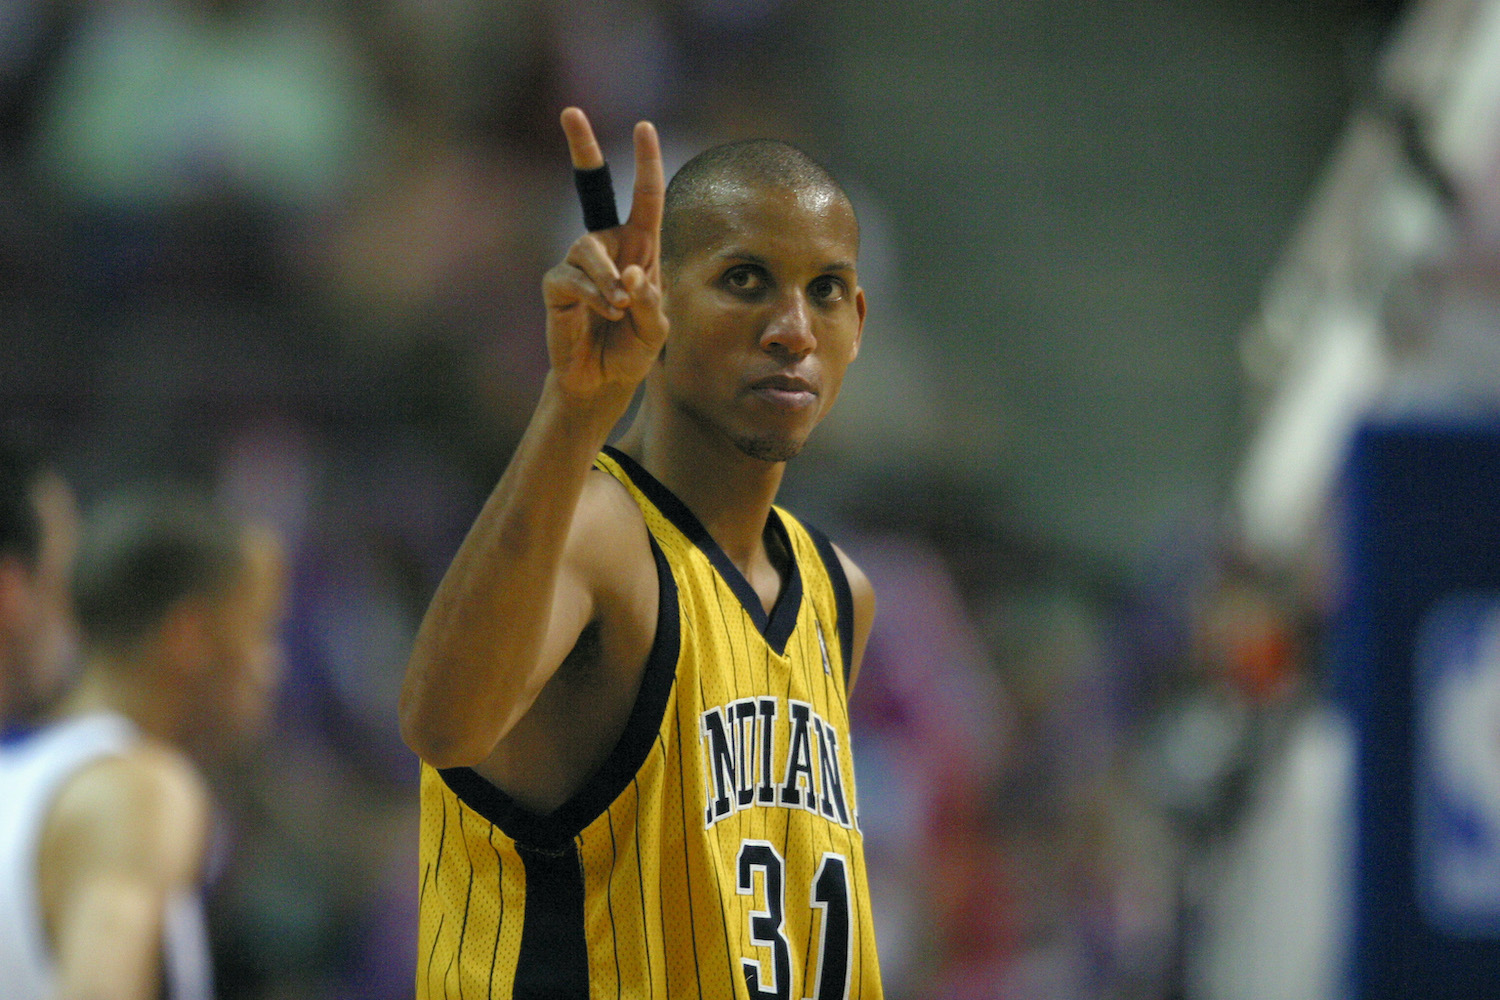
<point x="243" y="665"/>
<point x="766" y="315"/>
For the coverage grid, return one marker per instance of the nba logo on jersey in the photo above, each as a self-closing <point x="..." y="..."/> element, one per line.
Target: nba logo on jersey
<point x="1458" y="765"/>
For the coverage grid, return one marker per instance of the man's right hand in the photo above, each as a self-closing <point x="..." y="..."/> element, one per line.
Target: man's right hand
<point x="605" y="324"/>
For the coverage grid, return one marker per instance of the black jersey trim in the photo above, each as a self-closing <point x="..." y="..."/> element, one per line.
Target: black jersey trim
<point x="553" y="963"/>
<point x="776" y="628"/>
<point x="843" y="597"/>
<point x="555" y="831"/>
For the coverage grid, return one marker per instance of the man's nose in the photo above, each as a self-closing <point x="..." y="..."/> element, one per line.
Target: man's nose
<point x="790" y="328"/>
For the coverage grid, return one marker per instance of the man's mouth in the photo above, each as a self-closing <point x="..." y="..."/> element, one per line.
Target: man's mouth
<point x="785" y="391"/>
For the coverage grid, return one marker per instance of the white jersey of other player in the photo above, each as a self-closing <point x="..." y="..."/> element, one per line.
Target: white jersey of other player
<point x="33" y="767"/>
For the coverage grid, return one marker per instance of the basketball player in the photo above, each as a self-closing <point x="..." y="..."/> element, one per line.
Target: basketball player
<point x="38" y="532"/>
<point x="106" y="817"/>
<point x="631" y="687"/>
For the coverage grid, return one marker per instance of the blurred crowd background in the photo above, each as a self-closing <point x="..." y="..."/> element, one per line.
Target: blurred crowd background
<point x="1135" y="269"/>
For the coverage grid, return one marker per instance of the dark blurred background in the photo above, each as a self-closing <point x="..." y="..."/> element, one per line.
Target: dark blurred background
<point x="293" y="250"/>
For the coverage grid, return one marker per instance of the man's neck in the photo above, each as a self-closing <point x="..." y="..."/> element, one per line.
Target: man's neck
<point x="105" y="686"/>
<point x="728" y="491"/>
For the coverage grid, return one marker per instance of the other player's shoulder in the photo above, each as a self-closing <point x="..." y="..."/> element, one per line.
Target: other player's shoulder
<point x="145" y="807"/>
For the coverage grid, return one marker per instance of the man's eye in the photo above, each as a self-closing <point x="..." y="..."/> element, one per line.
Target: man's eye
<point x="743" y="279"/>
<point x="827" y="289"/>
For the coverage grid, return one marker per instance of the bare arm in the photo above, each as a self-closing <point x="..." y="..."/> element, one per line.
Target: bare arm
<point x="125" y="837"/>
<point x="523" y="584"/>
<point x="863" y="593"/>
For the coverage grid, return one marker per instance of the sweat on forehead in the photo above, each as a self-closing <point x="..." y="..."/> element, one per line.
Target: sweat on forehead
<point x="725" y="171"/>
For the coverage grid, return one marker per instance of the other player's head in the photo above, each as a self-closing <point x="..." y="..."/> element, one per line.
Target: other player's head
<point x="759" y="251"/>
<point x="178" y="603"/>
<point x="38" y="532"/>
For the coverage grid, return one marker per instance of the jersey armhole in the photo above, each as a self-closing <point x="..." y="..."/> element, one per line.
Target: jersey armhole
<point x="843" y="597"/>
<point x="556" y="830"/>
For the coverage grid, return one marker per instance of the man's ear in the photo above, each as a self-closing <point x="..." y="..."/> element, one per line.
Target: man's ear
<point x="859" y="309"/>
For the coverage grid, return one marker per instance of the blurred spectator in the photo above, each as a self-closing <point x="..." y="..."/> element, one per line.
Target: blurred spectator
<point x="181" y="135"/>
<point x="38" y="529"/>
<point x="328" y="908"/>
<point x="160" y="104"/>
<point x="929" y="722"/>
<point x="32" y="34"/>
<point x="105" y="838"/>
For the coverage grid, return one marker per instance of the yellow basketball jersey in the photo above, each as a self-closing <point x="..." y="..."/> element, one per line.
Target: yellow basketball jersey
<point x="717" y="853"/>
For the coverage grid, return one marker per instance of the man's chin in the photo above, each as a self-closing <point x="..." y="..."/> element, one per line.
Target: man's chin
<point x="770" y="449"/>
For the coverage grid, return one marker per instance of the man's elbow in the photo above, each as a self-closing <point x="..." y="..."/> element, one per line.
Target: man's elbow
<point x="437" y="739"/>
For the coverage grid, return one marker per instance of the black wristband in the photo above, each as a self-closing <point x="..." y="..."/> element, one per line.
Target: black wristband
<point x="596" y="193"/>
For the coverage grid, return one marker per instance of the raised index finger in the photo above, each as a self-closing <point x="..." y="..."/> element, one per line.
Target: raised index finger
<point x="582" y="145"/>
<point x="650" y="180"/>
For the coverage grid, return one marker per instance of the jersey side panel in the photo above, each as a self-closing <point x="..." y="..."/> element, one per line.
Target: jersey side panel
<point x="469" y="935"/>
<point x="649" y="793"/>
<point x="598" y="855"/>
<point x="619" y="853"/>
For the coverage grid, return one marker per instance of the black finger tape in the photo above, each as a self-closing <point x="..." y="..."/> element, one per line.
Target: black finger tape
<point x="596" y="193"/>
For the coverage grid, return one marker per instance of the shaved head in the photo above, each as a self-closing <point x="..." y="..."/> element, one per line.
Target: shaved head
<point x="719" y="174"/>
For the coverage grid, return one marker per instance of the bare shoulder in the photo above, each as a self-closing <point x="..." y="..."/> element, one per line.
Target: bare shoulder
<point x="863" y="593"/>
<point x="610" y="541"/>
<point x="612" y="547"/>
<point x="859" y="583"/>
<point x="146" y="811"/>
<point x="607" y="504"/>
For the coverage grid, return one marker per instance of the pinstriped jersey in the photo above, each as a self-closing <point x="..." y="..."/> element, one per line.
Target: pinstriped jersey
<point x="717" y="852"/>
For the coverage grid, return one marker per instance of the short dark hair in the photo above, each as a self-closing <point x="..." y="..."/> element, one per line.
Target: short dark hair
<point x="144" y="551"/>
<point x="20" y="521"/>
<point x="768" y="162"/>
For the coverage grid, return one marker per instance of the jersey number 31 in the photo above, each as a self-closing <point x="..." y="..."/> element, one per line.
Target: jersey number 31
<point x="829" y="893"/>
